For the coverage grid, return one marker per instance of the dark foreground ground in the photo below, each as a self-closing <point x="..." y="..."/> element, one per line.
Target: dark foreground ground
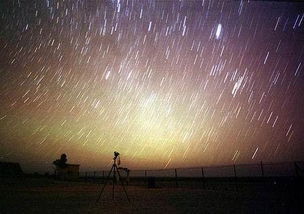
<point x="41" y="195"/>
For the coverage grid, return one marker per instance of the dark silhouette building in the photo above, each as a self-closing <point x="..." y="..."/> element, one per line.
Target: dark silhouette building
<point x="8" y="169"/>
<point x="65" y="171"/>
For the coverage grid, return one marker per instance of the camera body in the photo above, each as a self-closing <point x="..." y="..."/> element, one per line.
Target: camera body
<point x="116" y="154"/>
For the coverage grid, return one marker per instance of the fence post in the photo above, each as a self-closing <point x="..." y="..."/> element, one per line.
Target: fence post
<point x="296" y="169"/>
<point x="203" y="177"/>
<point x="94" y="174"/>
<point x="86" y="176"/>
<point x="235" y="177"/>
<point x="103" y="174"/>
<point x="176" y="177"/>
<point x="146" y="180"/>
<point x="262" y="168"/>
<point x="234" y="170"/>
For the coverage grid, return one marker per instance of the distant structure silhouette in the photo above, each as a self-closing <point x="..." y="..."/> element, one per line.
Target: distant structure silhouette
<point x="61" y="162"/>
<point x="65" y="171"/>
<point x="9" y="169"/>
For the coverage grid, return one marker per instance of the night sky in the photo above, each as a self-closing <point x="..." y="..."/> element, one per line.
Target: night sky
<point x="174" y="83"/>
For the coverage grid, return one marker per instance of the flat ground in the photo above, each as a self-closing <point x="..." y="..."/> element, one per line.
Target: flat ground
<point x="40" y="195"/>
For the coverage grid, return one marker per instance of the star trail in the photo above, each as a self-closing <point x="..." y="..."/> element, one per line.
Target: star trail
<point x="172" y="83"/>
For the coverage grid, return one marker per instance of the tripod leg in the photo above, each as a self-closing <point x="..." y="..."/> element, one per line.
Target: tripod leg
<point x="104" y="186"/>
<point x="123" y="186"/>
<point x="114" y="177"/>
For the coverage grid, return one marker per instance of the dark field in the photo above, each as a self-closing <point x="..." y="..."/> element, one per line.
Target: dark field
<point x="43" y="195"/>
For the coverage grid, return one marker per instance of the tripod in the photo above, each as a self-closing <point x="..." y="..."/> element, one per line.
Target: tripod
<point x="115" y="170"/>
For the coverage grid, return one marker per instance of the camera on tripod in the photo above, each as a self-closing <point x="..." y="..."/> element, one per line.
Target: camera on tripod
<point x="116" y="154"/>
<point x="115" y="171"/>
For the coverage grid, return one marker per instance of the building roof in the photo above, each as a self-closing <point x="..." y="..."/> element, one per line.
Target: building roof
<point x="73" y="164"/>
